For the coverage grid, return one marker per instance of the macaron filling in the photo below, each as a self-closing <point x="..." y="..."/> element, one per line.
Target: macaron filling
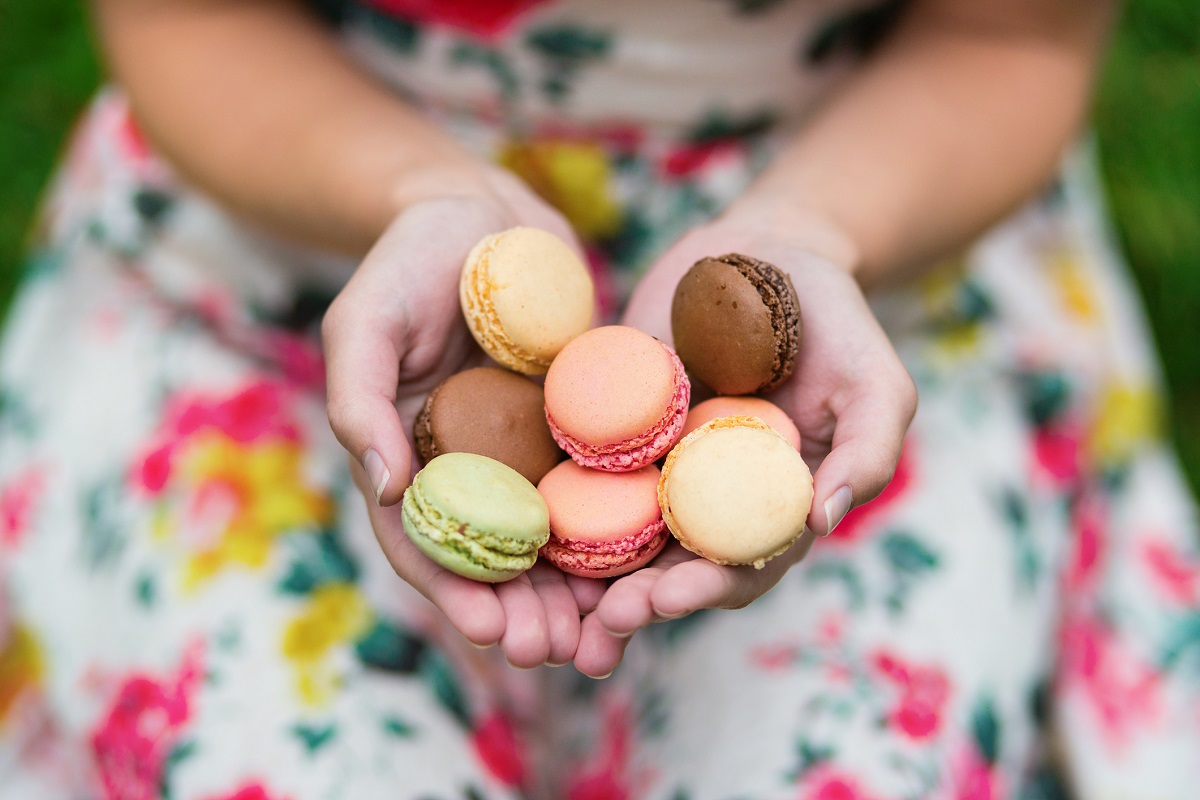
<point x="482" y="311"/>
<point x="584" y="562"/>
<point x="612" y="546"/>
<point x="486" y="550"/>
<point x="642" y="449"/>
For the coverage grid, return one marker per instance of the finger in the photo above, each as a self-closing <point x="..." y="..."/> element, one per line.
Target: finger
<point x="526" y="641"/>
<point x="362" y="362"/>
<point x="867" y="439"/>
<point x="562" y="612"/>
<point x="625" y="607"/>
<point x="699" y="583"/>
<point x="599" y="652"/>
<point x="587" y="592"/>
<point x="472" y="607"/>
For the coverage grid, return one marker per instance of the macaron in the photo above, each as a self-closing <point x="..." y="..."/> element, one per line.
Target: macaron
<point x="491" y="412"/>
<point x="735" y="491"/>
<point x="602" y="524"/>
<point x="616" y="399"/>
<point x="736" y="323"/>
<point x="525" y="293"/>
<point x="475" y="517"/>
<point x="765" y="410"/>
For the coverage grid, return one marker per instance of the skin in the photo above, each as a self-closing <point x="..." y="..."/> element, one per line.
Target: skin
<point x="914" y="156"/>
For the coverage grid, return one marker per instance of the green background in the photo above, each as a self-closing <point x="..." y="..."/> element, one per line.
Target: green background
<point x="1147" y="117"/>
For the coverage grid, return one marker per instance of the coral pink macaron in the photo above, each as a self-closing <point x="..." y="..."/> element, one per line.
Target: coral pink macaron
<point x="765" y="410"/>
<point x="602" y="524"/>
<point x="616" y="399"/>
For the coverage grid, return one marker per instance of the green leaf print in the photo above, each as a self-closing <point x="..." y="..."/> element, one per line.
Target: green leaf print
<point x="1184" y="636"/>
<point x="400" y="35"/>
<point x="145" y="591"/>
<point x="317" y="560"/>
<point x="314" y="738"/>
<point x="748" y="7"/>
<point x="840" y="572"/>
<point x="1045" y="394"/>
<point x="985" y="727"/>
<point x="565" y="49"/>
<point x="468" y="53"/>
<point x="718" y="125"/>
<point x="440" y="677"/>
<point x="399" y="728"/>
<point x="179" y="753"/>
<point x="153" y="204"/>
<point x="856" y="32"/>
<point x="905" y="554"/>
<point x="808" y="756"/>
<point x="1014" y="507"/>
<point x="387" y="647"/>
<point x="104" y="530"/>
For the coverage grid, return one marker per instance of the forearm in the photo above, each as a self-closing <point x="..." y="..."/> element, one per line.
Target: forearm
<point x="956" y="121"/>
<point x="252" y="101"/>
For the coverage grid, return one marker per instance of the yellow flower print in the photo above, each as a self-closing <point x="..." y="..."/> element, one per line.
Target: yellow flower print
<point x="335" y="614"/>
<point x="1075" y="291"/>
<point x="571" y="176"/>
<point x="21" y="668"/>
<point x="1127" y="417"/>
<point x="243" y="496"/>
<point x="959" y="334"/>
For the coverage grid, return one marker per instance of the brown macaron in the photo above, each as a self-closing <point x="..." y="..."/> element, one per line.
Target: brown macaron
<point x="736" y="323"/>
<point x="490" y="412"/>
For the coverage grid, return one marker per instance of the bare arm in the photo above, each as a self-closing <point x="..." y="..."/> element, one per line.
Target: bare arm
<point x="962" y="114"/>
<point x="253" y="102"/>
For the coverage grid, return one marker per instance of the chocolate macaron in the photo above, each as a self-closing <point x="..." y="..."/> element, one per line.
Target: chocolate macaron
<point x="736" y="323"/>
<point x="490" y="412"/>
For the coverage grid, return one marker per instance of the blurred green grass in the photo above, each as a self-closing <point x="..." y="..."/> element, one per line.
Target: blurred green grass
<point x="1147" y="117"/>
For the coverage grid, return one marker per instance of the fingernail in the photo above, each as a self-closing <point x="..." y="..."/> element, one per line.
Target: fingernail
<point x="836" y="507"/>
<point x="556" y="663"/>
<point x="675" y="616"/>
<point x="619" y="635"/>
<point x="601" y="677"/>
<point x="479" y="646"/>
<point x="377" y="472"/>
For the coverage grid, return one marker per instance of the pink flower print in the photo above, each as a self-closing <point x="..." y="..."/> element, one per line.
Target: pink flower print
<point x="1056" y="455"/>
<point x="18" y="498"/>
<point x="608" y="776"/>
<point x="496" y="742"/>
<point x="859" y="519"/>
<point x="825" y="783"/>
<point x="1122" y="690"/>
<point x="1172" y="573"/>
<point x="608" y="294"/>
<point x="1089" y="543"/>
<point x="257" y="412"/>
<point x="250" y="791"/>
<point x="135" y="737"/>
<point x="484" y="18"/>
<point x="774" y="657"/>
<point x="923" y="694"/>
<point x="972" y="777"/>
<point x="299" y="358"/>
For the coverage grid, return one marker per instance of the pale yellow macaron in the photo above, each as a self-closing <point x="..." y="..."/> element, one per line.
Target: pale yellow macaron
<point x="735" y="491"/>
<point x="525" y="294"/>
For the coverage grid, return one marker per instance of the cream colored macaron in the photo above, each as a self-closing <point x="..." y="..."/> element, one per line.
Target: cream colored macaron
<point x="525" y="294"/>
<point x="735" y="491"/>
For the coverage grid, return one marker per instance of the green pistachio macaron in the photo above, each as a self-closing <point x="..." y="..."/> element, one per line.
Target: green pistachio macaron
<point x="476" y="517"/>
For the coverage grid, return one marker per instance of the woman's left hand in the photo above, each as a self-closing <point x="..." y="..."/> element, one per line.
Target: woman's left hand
<point x="850" y="397"/>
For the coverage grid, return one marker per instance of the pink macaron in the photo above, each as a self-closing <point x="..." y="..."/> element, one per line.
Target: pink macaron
<point x="602" y="524"/>
<point x="616" y="399"/>
<point x="765" y="410"/>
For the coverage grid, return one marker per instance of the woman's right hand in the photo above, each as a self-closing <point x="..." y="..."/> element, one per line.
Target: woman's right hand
<point x="392" y="334"/>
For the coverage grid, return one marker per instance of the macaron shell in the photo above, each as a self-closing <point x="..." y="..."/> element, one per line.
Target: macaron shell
<point x="736" y="323"/>
<point x="735" y="492"/>
<point x="610" y="385"/>
<point x="595" y="510"/>
<point x="475" y="516"/>
<point x="525" y="294"/>
<point x="723" y="329"/>
<point x="493" y="413"/>
<point x="765" y="410"/>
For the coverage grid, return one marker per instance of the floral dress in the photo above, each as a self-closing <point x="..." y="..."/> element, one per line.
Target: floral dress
<point x="195" y="607"/>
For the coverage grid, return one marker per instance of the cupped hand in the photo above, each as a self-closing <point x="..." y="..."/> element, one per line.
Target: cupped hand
<point x="850" y="397"/>
<point x="392" y="334"/>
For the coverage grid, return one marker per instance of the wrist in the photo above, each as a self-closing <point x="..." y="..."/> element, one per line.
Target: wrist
<point x="784" y="220"/>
